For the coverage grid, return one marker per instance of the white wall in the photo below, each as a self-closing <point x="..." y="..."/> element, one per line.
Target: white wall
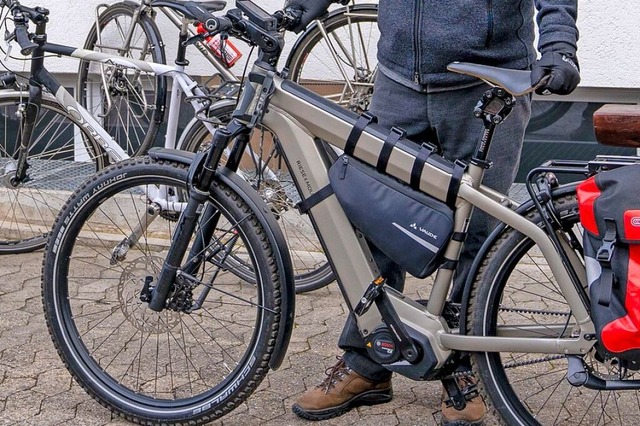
<point x="609" y="46"/>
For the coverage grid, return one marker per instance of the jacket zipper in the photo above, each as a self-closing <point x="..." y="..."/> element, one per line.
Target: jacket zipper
<point x="487" y="42"/>
<point x="416" y="42"/>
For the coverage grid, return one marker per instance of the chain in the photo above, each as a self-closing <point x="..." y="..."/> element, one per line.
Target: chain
<point x="536" y="360"/>
<point x="533" y="361"/>
<point x="533" y="311"/>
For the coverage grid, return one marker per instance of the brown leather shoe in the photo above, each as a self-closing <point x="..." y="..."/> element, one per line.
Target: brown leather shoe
<point x="474" y="411"/>
<point x="342" y="390"/>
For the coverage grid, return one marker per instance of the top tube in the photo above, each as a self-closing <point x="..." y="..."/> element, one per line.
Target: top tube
<point x="108" y="58"/>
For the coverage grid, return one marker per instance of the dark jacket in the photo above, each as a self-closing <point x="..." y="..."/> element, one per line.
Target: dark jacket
<point x="420" y="37"/>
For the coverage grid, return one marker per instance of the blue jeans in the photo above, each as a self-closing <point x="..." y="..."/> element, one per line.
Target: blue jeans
<point x="451" y="114"/>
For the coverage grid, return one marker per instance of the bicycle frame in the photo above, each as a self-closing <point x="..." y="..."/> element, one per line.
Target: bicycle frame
<point x="39" y="74"/>
<point x="298" y="116"/>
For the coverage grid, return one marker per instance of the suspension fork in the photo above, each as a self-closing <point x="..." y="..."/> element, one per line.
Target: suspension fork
<point x="201" y="177"/>
<point x="210" y="215"/>
<point x="29" y="113"/>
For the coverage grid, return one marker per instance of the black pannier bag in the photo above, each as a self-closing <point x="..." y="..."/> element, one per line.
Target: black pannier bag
<point x="408" y="226"/>
<point x="609" y="204"/>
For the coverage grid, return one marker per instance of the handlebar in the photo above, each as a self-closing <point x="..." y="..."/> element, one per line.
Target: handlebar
<point x="21" y="17"/>
<point x="258" y="27"/>
<point x="247" y="22"/>
<point x="22" y="38"/>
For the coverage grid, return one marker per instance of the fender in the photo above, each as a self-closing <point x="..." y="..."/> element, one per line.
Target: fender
<point x="156" y="42"/>
<point x="314" y="25"/>
<point x="274" y="235"/>
<point x="523" y="210"/>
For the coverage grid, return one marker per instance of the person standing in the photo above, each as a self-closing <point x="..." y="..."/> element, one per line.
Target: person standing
<point x="418" y="39"/>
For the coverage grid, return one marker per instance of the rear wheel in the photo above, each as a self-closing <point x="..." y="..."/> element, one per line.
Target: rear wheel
<point x="61" y="155"/>
<point x="337" y="57"/>
<point x="515" y="288"/>
<point x="266" y="170"/>
<point x="124" y="100"/>
<point x="202" y="355"/>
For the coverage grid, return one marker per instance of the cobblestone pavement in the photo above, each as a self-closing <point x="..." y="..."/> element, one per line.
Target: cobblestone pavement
<point x="36" y="389"/>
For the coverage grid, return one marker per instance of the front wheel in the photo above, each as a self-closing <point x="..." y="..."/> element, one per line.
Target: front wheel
<point x="515" y="288"/>
<point x="200" y="357"/>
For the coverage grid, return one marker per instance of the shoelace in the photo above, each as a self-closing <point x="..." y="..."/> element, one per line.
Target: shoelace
<point x="334" y="374"/>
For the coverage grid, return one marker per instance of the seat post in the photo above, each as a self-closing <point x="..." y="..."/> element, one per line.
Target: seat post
<point x="492" y="109"/>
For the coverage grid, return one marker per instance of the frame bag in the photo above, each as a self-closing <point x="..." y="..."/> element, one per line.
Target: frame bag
<point x="609" y="204"/>
<point x="408" y="226"/>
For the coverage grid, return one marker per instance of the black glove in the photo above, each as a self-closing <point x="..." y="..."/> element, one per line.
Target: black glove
<point x="303" y="12"/>
<point x="560" y="62"/>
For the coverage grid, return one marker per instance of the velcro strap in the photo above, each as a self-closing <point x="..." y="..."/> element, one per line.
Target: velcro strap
<point x="449" y="264"/>
<point x="459" y="236"/>
<point x="604" y="255"/>
<point x="454" y="185"/>
<point x="316" y="198"/>
<point x="363" y="121"/>
<point x="607" y="278"/>
<point x="391" y="141"/>
<point x="418" y="165"/>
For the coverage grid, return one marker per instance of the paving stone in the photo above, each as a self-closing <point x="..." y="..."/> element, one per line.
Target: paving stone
<point x="36" y="389"/>
<point x="22" y="405"/>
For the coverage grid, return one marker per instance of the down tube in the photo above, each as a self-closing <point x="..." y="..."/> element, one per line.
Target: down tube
<point x="343" y="248"/>
<point x="84" y="118"/>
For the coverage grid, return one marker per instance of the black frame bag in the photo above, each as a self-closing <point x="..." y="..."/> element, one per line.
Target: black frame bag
<point x="609" y="204"/>
<point x="408" y="226"/>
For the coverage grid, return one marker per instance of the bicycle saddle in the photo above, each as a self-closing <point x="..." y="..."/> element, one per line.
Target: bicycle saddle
<point x="516" y="82"/>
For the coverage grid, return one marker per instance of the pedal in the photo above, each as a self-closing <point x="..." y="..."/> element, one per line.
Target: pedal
<point x="398" y="334"/>
<point x="458" y="397"/>
<point x="370" y="295"/>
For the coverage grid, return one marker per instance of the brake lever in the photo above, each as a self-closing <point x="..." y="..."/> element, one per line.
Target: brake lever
<point x="286" y="18"/>
<point x="8" y="38"/>
<point x="198" y="38"/>
<point x="541" y="83"/>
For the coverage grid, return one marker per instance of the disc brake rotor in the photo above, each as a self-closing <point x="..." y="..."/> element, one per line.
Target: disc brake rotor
<point x="135" y="311"/>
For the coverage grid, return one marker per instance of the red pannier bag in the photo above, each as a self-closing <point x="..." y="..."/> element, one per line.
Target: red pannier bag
<point x="609" y="204"/>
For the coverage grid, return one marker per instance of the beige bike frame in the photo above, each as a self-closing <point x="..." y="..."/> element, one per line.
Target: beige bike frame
<point x="299" y="117"/>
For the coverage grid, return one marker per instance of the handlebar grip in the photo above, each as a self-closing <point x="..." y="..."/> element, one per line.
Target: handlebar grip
<point x="22" y="37"/>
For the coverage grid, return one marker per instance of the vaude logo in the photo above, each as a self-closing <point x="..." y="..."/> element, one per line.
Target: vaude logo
<point x="417" y="238"/>
<point x="424" y="231"/>
<point x="635" y="221"/>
